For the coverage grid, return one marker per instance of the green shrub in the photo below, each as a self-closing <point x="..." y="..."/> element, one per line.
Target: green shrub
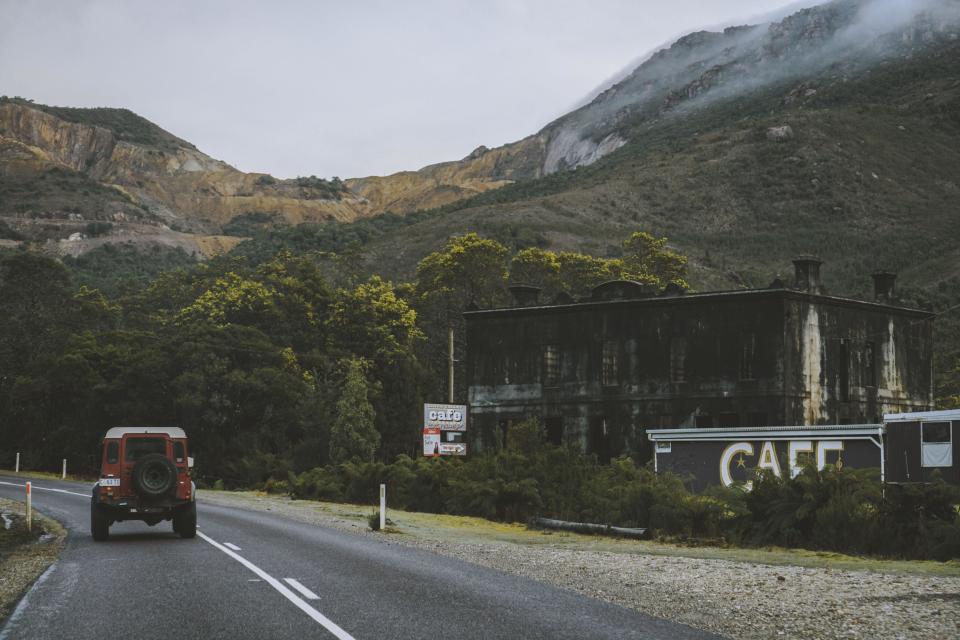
<point x="846" y="511"/>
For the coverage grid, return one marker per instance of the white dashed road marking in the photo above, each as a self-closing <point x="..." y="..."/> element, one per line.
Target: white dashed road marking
<point x="309" y="595"/>
<point x="300" y="603"/>
<point x="230" y="545"/>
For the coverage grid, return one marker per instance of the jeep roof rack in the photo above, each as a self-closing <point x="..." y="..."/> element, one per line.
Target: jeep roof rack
<point x="119" y="432"/>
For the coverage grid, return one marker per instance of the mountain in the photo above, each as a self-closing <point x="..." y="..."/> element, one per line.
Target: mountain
<point x="833" y="130"/>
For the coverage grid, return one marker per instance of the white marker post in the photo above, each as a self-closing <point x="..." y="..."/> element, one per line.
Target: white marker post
<point x="16" y="469"/>
<point x="383" y="506"/>
<point x="29" y="508"/>
<point x="64" y="468"/>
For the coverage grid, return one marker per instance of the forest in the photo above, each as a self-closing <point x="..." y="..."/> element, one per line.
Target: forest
<point x="276" y="364"/>
<point x="294" y="373"/>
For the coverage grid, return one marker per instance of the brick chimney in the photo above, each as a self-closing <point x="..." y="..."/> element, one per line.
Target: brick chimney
<point x="525" y="295"/>
<point x="883" y="285"/>
<point x="807" y="274"/>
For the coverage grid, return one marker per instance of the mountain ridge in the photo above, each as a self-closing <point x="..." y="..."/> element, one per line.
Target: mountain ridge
<point x="126" y="171"/>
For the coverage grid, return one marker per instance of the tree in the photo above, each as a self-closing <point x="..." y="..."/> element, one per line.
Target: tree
<point x="537" y="267"/>
<point x="353" y="437"/>
<point x="471" y="268"/>
<point x="373" y="322"/>
<point x="580" y="273"/>
<point x="647" y="259"/>
<point x="231" y="300"/>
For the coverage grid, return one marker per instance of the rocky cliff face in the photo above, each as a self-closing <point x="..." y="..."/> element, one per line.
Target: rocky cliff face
<point x="696" y="69"/>
<point x="175" y="184"/>
<point x="122" y="168"/>
<point x="171" y="183"/>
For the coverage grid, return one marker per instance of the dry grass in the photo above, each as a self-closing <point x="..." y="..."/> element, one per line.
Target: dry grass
<point x="465" y="529"/>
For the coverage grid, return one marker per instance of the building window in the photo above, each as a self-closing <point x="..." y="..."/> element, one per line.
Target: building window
<point x="937" y="444"/>
<point x="554" y="425"/>
<point x="678" y="356"/>
<point x="599" y="433"/>
<point x="757" y="419"/>
<point x="729" y="420"/>
<point x="843" y="370"/>
<point x="504" y="431"/>
<point x="748" y="353"/>
<point x="610" y="371"/>
<point x="551" y="365"/>
<point x="869" y="365"/>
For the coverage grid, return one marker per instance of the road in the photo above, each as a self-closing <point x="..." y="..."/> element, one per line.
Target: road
<point x="254" y="575"/>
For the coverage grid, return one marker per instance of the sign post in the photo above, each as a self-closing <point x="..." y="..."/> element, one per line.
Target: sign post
<point x="383" y="506"/>
<point x="64" y="469"/>
<point x="444" y="430"/>
<point x="16" y="468"/>
<point x="29" y="508"/>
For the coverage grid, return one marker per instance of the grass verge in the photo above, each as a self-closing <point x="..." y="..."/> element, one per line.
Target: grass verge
<point x="46" y="475"/>
<point x="465" y="529"/>
<point x="24" y="555"/>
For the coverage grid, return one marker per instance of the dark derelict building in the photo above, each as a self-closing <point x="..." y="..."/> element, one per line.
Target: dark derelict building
<point x="601" y="371"/>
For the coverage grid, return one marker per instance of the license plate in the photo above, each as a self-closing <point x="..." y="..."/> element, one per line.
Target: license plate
<point x="109" y="482"/>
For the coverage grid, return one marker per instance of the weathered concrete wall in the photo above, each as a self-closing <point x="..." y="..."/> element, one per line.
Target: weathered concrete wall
<point x="850" y="362"/>
<point x="749" y="358"/>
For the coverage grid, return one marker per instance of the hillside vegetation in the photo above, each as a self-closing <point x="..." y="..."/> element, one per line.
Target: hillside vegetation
<point x="123" y="123"/>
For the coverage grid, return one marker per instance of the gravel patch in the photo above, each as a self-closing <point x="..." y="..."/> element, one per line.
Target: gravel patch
<point x="23" y="560"/>
<point x="733" y="598"/>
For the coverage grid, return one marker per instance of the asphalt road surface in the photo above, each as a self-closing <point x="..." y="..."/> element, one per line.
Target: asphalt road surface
<point x="252" y="575"/>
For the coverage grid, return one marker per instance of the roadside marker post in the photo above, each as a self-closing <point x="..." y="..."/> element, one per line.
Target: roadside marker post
<point x="383" y="506"/>
<point x="64" y="469"/>
<point x="16" y="468"/>
<point x="29" y="508"/>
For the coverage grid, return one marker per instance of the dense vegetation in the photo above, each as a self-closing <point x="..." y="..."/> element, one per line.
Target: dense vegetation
<point x="281" y="364"/>
<point x="115" y="268"/>
<point x="123" y="123"/>
<point x="57" y="193"/>
<point x="315" y="187"/>
<point x="291" y="383"/>
<point x="846" y="511"/>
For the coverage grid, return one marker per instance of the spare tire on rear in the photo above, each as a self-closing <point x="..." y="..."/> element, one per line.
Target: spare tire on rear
<point x="154" y="475"/>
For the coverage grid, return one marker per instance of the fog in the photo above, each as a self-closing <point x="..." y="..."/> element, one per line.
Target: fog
<point x="856" y="33"/>
<point x="338" y="88"/>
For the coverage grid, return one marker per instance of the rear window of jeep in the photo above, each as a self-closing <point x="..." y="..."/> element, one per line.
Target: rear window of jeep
<point x="139" y="447"/>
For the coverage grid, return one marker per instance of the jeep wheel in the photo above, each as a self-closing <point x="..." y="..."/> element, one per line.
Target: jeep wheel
<point x="99" y="523"/>
<point x="185" y="522"/>
<point x="154" y="475"/>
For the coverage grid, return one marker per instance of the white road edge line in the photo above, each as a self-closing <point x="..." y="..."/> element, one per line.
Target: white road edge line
<point x="33" y="486"/>
<point x="328" y="624"/>
<point x="309" y="595"/>
<point x="230" y="545"/>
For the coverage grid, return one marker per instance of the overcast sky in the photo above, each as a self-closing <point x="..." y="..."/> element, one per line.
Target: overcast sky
<point x="346" y="87"/>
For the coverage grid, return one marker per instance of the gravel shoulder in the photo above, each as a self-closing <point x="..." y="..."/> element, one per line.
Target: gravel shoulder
<point x="24" y="556"/>
<point x="740" y="593"/>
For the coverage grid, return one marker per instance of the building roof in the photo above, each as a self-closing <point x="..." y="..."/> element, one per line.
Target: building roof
<point x="119" y="432"/>
<point x="693" y="298"/>
<point x="918" y="416"/>
<point x="767" y="433"/>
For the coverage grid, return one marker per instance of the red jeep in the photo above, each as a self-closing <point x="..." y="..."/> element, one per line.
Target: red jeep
<point x="145" y="475"/>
